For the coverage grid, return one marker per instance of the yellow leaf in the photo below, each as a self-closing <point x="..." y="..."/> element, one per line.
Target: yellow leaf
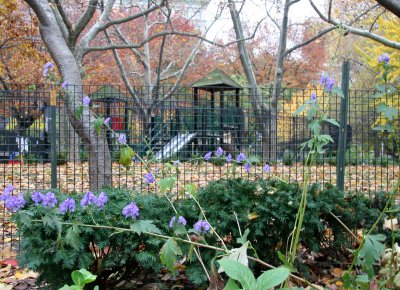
<point x="252" y="216"/>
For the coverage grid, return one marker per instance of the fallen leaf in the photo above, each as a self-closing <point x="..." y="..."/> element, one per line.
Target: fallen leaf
<point x="5" y="287"/>
<point x="11" y="261"/>
<point x="337" y="272"/>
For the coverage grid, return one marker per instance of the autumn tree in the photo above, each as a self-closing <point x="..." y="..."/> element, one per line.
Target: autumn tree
<point x="21" y="50"/>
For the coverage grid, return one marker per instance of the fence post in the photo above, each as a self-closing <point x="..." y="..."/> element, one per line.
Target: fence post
<point x="53" y="138"/>
<point x="344" y="109"/>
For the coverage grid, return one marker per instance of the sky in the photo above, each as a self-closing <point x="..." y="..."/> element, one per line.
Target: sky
<point x="254" y="11"/>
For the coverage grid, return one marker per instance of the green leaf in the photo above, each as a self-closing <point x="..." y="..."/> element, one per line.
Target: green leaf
<point x="231" y="285"/>
<point x="239" y="254"/>
<point x="141" y="226"/>
<point x="72" y="237"/>
<point x="243" y="239"/>
<point x="338" y="91"/>
<point x="239" y="272"/>
<point x="384" y="128"/>
<point x="191" y="189"/>
<point x="169" y="253"/>
<point x="286" y="262"/>
<point x="24" y="217"/>
<point x="253" y="159"/>
<point x="362" y="279"/>
<point x="98" y="123"/>
<point x="166" y="184"/>
<point x="388" y="112"/>
<point x="300" y="109"/>
<point x="315" y="127"/>
<point x="372" y="249"/>
<point x="272" y="278"/>
<point x="126" y="155"/>
<point x="88" y="277"/>
<point x="78" y="278"/>
<point x="332" y="121"/>
<point x="79" y="112"/>
<point x="52" y="221"/>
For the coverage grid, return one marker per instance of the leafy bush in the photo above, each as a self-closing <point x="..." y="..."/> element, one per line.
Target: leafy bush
<point x="267" y="208"/>
<point x="55" y="250"/>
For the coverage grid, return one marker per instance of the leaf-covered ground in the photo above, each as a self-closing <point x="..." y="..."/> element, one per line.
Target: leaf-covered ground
<point x="74" y="176"/>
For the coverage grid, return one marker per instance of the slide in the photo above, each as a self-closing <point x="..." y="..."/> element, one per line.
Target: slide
<point x="173" y="146"/>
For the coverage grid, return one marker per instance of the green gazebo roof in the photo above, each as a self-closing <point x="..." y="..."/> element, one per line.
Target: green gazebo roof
<point x="107" y="93"/>
<point x="217" y="79"/>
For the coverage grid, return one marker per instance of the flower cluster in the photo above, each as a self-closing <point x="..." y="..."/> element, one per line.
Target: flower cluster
<point x="67" y="205"/>
<point x="48" y="66"/>
<point x="89" y="198"/>
<point x="149" y="178"/>
<point x="313" y="98"/>
<point x="174" y="223"/>
<point x="327" y="82"/>
<point x="86" y="101"/>
<point x="131" y="210"/>
<point x="239" y="159"/>
<point x="12" y="202"/>
<point x="384" y="58"/>
<point x="122" y="139"/>
<point x="202" y="226"/>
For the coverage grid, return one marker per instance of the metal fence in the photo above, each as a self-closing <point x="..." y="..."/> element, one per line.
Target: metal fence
<point x="40" y="149"/>
<point x="184" y="125"/>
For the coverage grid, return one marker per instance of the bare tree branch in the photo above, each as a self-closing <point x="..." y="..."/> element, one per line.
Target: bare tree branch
<point x="308" y="41"/>
<point x="133" y="17"/>
<point x="84" y="19"/>
<point x="63" y="15"/>
<point x="357" y="31"/>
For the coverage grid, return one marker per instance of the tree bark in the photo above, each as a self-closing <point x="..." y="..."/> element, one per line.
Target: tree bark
<point x="69" y="67"/>
<point x="261" y="113"/>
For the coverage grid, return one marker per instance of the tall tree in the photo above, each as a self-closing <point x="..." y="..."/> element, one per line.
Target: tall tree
<point x="68" y="41"/>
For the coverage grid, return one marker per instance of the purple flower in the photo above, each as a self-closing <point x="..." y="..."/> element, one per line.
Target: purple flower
<point x="131" y="210"/>
<point x="267" y="168"/>
<point x="107" y="121"/>
<point x="175" y="163"/>
<point x="86" y="101"/>
<point x="220" y="151"/>
<point x="314" y="98"/>
<point x="202" y="226"/>
<point x="181" y="220"/>
<point x="385" y="58"/>
<point x="15" y="203"/>
<point x="48" y="66"/>
<point x="122" y="138"/>
<point x="88" y="199"/>
<point x="6" y="192"/>
<point x="323" y="79"/>
<point x="49" y="200"/>
<point x="247" y="167"/>
<point x="102" y="200"/>
<point x="67" y="205"/>
<point x="241" y="157"/>
<point x="37" y="197"/>
<point x="64" y="85"/>
<point x="229" y="158"/>
<point x="208" y="156"/>
<point x="329" y="84"/>
<point x="149" y="178"/>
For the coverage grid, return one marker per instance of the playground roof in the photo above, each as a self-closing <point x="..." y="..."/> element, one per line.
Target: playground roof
<point x="216" y="80"/>
<point x="108" y="93"/>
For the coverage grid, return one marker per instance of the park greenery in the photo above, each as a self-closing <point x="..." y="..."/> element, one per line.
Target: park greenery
<point x="232" y="233"/>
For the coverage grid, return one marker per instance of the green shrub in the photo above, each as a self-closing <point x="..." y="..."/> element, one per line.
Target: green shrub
<point x="54" y="250"/>
<point x="267" y="208"/>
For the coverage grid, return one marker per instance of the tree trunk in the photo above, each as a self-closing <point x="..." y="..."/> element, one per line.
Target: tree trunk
<point x="68" y="65"/>
<point x="261" y="113"/>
